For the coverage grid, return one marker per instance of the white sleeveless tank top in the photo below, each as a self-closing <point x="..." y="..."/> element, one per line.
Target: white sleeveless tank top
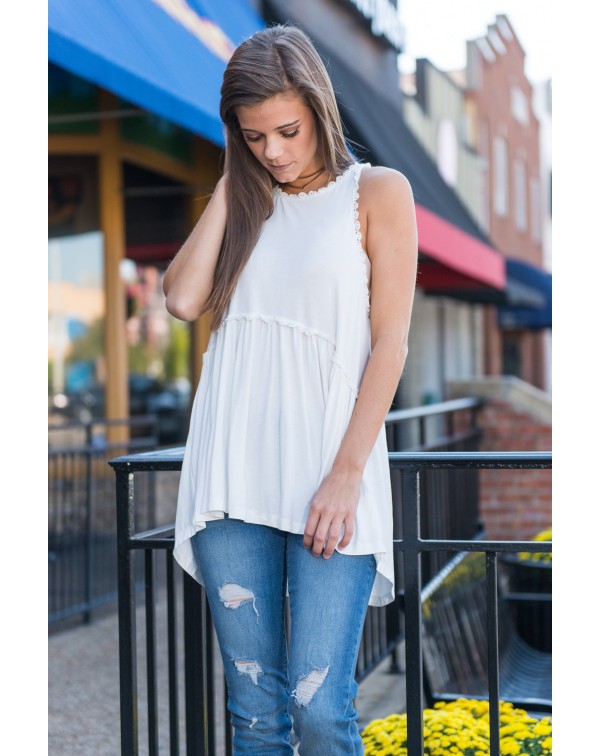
<point x="280" y="379"/>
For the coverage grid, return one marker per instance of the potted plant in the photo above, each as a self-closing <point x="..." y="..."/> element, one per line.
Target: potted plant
<point x="531" y="573"/>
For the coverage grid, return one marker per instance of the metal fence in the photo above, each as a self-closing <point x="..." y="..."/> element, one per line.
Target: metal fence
<point x="176" y="627"/>
<point x="82" y="534"/>
<point x="413" y="547"/>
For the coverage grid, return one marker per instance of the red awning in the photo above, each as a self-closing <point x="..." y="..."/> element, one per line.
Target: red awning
<point x="455" y="260"/>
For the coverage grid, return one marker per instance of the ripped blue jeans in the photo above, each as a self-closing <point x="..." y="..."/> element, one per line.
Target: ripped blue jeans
<point x="245" y="567"/>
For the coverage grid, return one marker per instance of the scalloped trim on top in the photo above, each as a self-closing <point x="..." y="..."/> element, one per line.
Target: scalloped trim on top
<point x="358" y="236"/>
<point x="328" y="187"/>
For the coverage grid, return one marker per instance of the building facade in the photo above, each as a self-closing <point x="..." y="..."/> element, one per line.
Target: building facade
<point x="480" y="128"/>
<point x="506" y="132"/>
<point x="450" y="336"/>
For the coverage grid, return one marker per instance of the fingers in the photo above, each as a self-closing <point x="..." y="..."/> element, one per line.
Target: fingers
<point x="331" y="540"/>
<point x="348" y="533"/>
<point x="320" y="539"/>
<point x="322" y="535"/>
<point x="333" y="507"/>
<point x="311" y="528"/>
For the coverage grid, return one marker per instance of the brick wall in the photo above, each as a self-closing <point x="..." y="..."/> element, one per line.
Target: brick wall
<point x="515" y="504"/>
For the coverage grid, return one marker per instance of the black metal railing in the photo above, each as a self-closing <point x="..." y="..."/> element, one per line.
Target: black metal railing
<point x="413" y="547"/>
<point x="203" y="722"/>
<point x="82" y="574"/>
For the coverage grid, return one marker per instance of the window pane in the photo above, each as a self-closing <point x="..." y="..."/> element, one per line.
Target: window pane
<point x="76" y="304"/>
<point x="520" y="195"/>
<point x="500" y="177"/>
<point x="158" y="353"/>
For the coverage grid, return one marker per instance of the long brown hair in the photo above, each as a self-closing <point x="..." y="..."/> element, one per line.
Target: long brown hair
<point x="276" y="60"/>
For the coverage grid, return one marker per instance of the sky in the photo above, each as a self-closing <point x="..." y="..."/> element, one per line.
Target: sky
<point x="439" y="29"/>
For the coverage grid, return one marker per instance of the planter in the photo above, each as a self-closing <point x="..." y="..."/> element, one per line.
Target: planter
<point x="533" y="618"/>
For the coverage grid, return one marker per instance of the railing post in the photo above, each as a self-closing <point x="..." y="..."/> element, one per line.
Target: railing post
<point x="196" y="710"/>
<point x="412" y="593"/>
<point x="172" y="643"/>
<point x="491" y="586"/>
<point x="393" y="610"/>
<point x="151" y="675"/>
<point x="209" y="675"/>
<point x="89" y="525"/>
<point x="127" y="628"/>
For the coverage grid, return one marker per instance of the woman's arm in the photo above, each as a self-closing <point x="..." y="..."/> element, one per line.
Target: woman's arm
<point x="391" y="241"/>
<point x="188" y="281"/>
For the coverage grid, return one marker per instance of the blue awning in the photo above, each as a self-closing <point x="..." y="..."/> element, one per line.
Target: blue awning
<point x="528" y="283"/>
<point x="166" y="56"/>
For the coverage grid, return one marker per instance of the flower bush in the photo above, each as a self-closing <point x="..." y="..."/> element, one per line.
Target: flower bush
<point x="542" y="556"/>
<point x="462" y="728"/>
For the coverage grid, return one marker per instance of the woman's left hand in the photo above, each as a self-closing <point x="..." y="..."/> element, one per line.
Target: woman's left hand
<point x="333" y="506"/>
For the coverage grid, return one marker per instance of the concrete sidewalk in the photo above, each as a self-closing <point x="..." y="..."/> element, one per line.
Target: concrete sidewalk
<point x="83" y="694"/>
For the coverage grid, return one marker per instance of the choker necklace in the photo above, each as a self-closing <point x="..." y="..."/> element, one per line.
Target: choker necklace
<point x="314" y="175"/>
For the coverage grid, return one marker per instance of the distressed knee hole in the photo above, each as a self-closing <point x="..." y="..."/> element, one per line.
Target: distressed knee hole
<point x="254" y="721"/>
<point x="308" y="686"/>
<point x="233" y="596"/>
<point x="248" y="667"/>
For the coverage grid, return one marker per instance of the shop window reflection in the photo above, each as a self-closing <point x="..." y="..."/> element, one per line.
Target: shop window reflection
<point x="76" y="365"/>
<point x="158" y="353"/>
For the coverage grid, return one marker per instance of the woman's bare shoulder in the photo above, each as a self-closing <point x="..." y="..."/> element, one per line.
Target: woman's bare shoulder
<point x="378" y="182"/>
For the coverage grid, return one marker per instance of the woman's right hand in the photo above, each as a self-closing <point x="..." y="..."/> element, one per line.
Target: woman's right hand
<point x="188" y="282"/>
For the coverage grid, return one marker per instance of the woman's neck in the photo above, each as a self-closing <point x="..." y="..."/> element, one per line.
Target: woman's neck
<point x="308" y="182"/>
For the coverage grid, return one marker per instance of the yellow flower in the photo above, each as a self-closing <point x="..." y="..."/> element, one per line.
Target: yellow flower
<point x="543" y="727"/>
<point x="461" y="728"/>
<point x="509" y="748"/>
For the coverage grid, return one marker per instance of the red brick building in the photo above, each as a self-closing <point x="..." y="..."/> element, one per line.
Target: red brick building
<point x="507" y="134"/>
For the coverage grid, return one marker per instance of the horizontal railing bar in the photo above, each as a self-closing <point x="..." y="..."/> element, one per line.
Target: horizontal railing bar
<point x="483" y="546"/>
<point x="461" y="437"/>
<point x="527" y="597"/>
<point x="462" y="459"/>
<point x="165" y="539"/>
<point x="439" y="408"/>
<point x="152" y="543"/>
<point x="163" y="536"/>
<point x="158" y="460"/>
<point x="171" y="459"/>
<point x="163" y="531"/>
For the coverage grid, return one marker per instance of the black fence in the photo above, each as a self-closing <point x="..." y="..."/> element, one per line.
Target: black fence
<point x="183" y="700"/>
<point x="82" y="533"/>
<point x="414" y="547"/>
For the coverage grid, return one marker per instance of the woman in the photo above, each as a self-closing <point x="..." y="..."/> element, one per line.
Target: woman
<point x="307" y="260"/>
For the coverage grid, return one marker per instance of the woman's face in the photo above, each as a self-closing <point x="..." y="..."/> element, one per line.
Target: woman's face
<point x="281" y="134"/>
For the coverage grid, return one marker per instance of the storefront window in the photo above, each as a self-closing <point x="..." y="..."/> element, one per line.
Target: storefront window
<point x="511" y="353"/>
<point x="157" y="344"/>
<point x="76" y="304"/>
<point x="158" y="353"/>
